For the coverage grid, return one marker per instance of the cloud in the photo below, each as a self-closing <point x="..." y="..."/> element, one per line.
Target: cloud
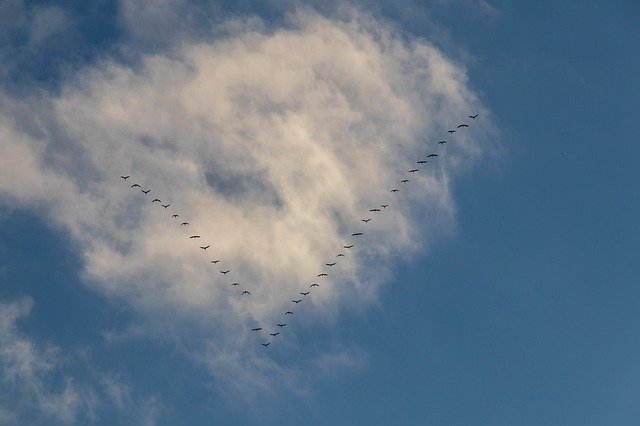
<point x="273" y="143"/>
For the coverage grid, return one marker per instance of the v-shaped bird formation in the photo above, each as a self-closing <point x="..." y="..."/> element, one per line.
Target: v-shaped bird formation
<point x="308" y="288"/>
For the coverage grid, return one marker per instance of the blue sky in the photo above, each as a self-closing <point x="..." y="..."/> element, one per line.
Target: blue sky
<point x="518" y="306"/>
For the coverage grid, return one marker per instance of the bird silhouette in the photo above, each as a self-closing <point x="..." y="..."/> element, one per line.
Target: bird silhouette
<point x="215" y="261"/>
<point x="384" y="206"/>
<point x="404" y="181"/>
<point x="474" y="116"/>
<point x="314" y="285"/>
<point x="432" y="155"/>
<point x="322" y="275"/>
<point x="225" y="272"/>
<point x="145" y="192"/>
<point x="265" y="344"/>
<point x="451" y="131"/>
<point x="357" y="234"/>
<point x="347" y="247"/>
<point x="184" y="224"/>
<point x="422" y="162"/>
<point x="165" y="205"/>
<point x="175" y="215"/>
<point x="395" y="190"/>
<point x="125" y="177"/>
<point x="442" y="142"/>
<point x="256" y="329"/>
<point x="274" y="334"/>
<point x="374" y="210"/>
<point x="245" y="292"/>
<point x="365" y="220"/>
<point x="281" y="325"/>
<point x="330" y="264"/>
<point x="156" y="200"/>
<point x="463" y="125"/>
<point x="288" y="313"/>
<point x="413" y="170"/>
<point x="305" y="293"/>
<point x="193" y="237"/>
<point x="340" y="255"/>
<point x="135" y="185"/>
<point x="297" y="301"/>
<point x="235" y="284"/>
<point x="205" y="247"/>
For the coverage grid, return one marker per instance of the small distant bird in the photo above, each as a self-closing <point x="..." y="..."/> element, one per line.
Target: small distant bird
<point x="422" y="162"/>
<point x="432" y="155"/>
<point x="451" y="131"/>
<point x="384" y="206"/>
<point x="175" y="215"/>
<point x="463" y="125"/>
<point x="215" y="261"/>
<point x="347" y="247"/>
<point x="330" y="264"/>
<point x="256" y="329"/>
<point x="413" y="170"/>
<point x="305" y="293"/>
<point x="340" y="255"/>
<point x="205" y="247"/>
<point x="442" y="142"/>
<point x="156" y="200"/>
<point x="125" y="177"/>
<point x="193" y="237"/>
<point x="374" y="210"/>
<point x="474" y="116"/>
<point x="357" y="234"/>
<point x="314" y="285"/>
<point x="265" y="344"/>
<point x="322" y="275"/>
<point x="165" y="205"/>
<point x="235" y="284"/>
<point x="135" y="185"/>
<point x="225" y="272"/>
<point x="245" y="292"/>
<point x="274" y="334"/>
<point x="365" y="220"/>
<point x="395" y="190"/>
<point x="404" y="181"/>
<point x="288" y="313"/>
<point x="184" y="223"/>
<point x="281" y="325"/>
<point x="146" y="192"/>
<point x="297" y="301"/>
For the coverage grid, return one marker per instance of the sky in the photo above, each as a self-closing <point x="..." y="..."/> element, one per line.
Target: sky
<point x="499" y="287"/>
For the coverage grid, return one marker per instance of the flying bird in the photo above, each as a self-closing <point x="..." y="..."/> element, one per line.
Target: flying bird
<point x="297" y="301"/>
<point x="235" y="284"/>
<point x="451" y="131"/>
<point x="274" y="334"/>
<point x="432" y="155"/>
<point x="348" y="247"/>
<point x="474" y="116"/>
<point x="205" y="247"/>
<point x="246" y="292"/>
<point x="256" y="329"/>
<point x="330" y="264"/>
<point x="265" y="344"/>
<point x="357" y="234"/>
<point x="365" y="220"/>
<point x="322" y="275"/>
<point x="146" y="192"/>
<point x="165" y="205"/>
<point x="288" y="313"/>
<point x="305" y="294"/>
<point x="422" y="162"/>
<point x="125" y="177"/>
<point x="215" y="261"/>
<point x="314" y="285"/>
<point x="374" y="210"/>
<point x="225" y="272"/>
<point x="413" y="170"/>
<point x="156" y="200"/>
<point x="175" y="215"/>
<point x="340" y="255"/>
<point x="463" y="125"/>
<point x="384" y="206"/>
<point x="281" y="325"/>
<point x="135" y="185"/>
<point x="404" y="181"/>
<point x="194" y="237"/>
<point x="442" y="142"/>
<point x="184" y="223"/>
<point x="395" y="190"/>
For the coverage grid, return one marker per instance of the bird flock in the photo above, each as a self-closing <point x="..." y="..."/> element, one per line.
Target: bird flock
<point x="243" y="291"/>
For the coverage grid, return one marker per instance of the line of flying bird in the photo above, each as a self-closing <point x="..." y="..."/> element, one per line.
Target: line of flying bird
<point x="244" y="292"/>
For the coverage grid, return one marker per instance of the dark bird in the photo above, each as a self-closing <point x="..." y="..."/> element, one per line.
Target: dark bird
<point x="365" y="220"/>
<point x="474" y="116"/>
<point x="265" y="344"/>
<point x="432" y="155"/>
<point x="165" y="205"/>
<point x="274" y="334"/>
<point x="135" y="185"/>
<point x="357" y="234"/>
<point x="184" y="223"/>
<point x="374" y="210"/>
<point x="463" y="125"/>
<point x="330" y="264"/>
<point x="146" y="192"/>
<point x="288" y="313"/>
<point x="235" y="284"/>
<point x="340" y="255"/>
<point x="205" y="247"/>
<point x="347" y="247"/>
<point x="442" y="142"/>
<point x="125" y="177"/>
<point x="225" y="272"/>
<point x="384" y="206"/>
<point x="413" y="170"/>
<point x="451" y="131"/>
<point x="297" y="301"/>
<point x="215" y="261"/>
<point x="175" y="215"/>
<point x="194" y="236"/>
<point x="404" y="181"/>
<point x="422" y="162"/>
<point x="314" y="285"/>
<point x="246" y="292"/>
<point x="156" y="200"/>
<point x="322" y="275"/>
<point x="256" y="329"/>
<point x="281" y="325"/>
<point x="395" y="190"/>
<point x="305" y="293"/>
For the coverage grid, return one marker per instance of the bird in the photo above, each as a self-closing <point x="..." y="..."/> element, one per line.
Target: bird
<point x="404" y="181"/>
<point x="413" y="170"/>
<point x="384" y="206"/>
<point x="288" y="313"/>
<point x="274" y="334"/>
<point x="146" y="192"/>
<point x="395" y="190"/>
<point x="314" y="285"/>
<point x="156" y="200"/>
<point x="281" y="325"/>
<point x="205" y="247"/>
<point x="432" y="155"/>
<point x="256" y="329"/>
<point x="365" y="220"/>
<point x="463" y="125"/>
<point x="305" y="294"/>
<point x="175" y="215"/>
<point x="194" y="237"/>
<point x="165" y="205"/>
<point x="442" y="142"/>
<point x="265" y="344"/>
<point x="422" y="162"/>
<point x="225" y="272"/>
<point x="340" y="255"/>
<point x="330" y="264"/>
<point x="322" y="275"/>
<point x="297" y="301"/>
<point x="357" y="234"/>
<point x="474" y="116"/>
<point x="246" y="292"/>
<point x="348" y="247"/>
<point x="235" y="284"/>
<point x="374" y="210"/>
<point x="184" y="224"/>
<point x="215" y="261"/>
<point x="451" y="131"/>
<point x="135" y="185"/>
<point x="125" y="177"/>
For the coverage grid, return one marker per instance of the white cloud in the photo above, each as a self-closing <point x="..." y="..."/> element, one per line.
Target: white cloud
<point x="273" y="144"/>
